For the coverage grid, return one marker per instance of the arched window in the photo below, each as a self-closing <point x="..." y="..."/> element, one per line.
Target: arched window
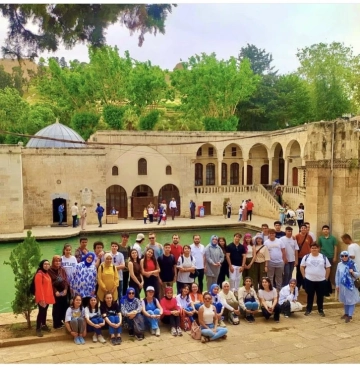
<point x="115" y="170"/>
<point x="234" y="174"/>
<point x="168" y="170"/>
<point x="210" y="174"/>
<point x="198" y="174"/>
<point x="223" y="173"/>
<point x="142" y="167"/>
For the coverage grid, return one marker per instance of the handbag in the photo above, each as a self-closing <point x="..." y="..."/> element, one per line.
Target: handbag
<point x="357" y="283"/>
<point x="195" y="331"/>
<point x="139" y="323"/>
<point x="295" y="306"/>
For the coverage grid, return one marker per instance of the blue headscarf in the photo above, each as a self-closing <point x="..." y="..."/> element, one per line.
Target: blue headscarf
<point x="346" y="280"/>
<point x="211" y="241"/>
<point x="212" y="288"/>
<point x="86" y="256"/>
<point x="126" y="296"/>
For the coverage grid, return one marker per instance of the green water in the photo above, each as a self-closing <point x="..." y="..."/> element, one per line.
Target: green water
<point x="54" y="247"/>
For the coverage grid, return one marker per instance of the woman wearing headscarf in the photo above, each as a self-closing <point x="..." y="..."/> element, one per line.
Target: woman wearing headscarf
<point x="346" y="273"/>
<point x="60" y="286"/>
<point x="44" y="295"/>
<point x="84" y="280"/>
<point x="228" y="295"/>
<point x="107" y="278"/>
<point x="214" y="256"/>
<point x="131" y="309"/>
<point x="83" y="218"/>
<point x="288" y="299"/>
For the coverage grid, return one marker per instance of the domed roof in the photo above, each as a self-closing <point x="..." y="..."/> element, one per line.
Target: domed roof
<point x="59" y="131"/>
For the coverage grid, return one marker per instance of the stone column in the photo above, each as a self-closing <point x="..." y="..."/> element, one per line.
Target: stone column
<point x="219" y="162"/>
<point x="286" y="169"/>
<point x="129" y="207"/>
<point x="245" y="172"/>
<point x="270" y="170"/>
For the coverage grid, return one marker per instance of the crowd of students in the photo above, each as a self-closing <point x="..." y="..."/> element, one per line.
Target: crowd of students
<point x="97" y="291"/>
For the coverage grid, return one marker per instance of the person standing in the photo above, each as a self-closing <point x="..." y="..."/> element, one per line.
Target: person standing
<point x="214" y="257"/>
<point x="173" y="208"/>
<point x="250" y="207"/>
<point x="224" y="208"/>
<point x="155" y="246"/>
<point x="304" y="241"/>
<point x="74" y="214"/>
<point x="82" y="250"/>
<point x="282" y="210"/>
<point x="192" y="209"/>
<point x="197" y="252"/>
<point x="312" y="234"/>
<point x="167" y="265"/>
<point x="137" y="245"/>
<point x="61" y="210"/>
<point x="176" y="248"/>
<point x="150" y="210"/>
<point x="224" y="269"/>
<point x="236" y="257"/>
<point x="353" y="248"/>
<point x="145" y="214"/>
<point x="328" y="247"/>
<point x="347" y="271"/>
<point x="119" y="263"/>
<point x="240" y="213"/>
<point x="100" y="212"/>
<point x="228" y="208"/>
<point x="185" y="266"/>
<point x="245" y="212"/>
<point x="107" y="278"/>
<point x="124" y="248"/>
<point x="292" y="255"/>
<point x="299" y="217"/>
<point x="83" y="218"/>
<point x="315" y="269"/>
<point x="278" y="232"/>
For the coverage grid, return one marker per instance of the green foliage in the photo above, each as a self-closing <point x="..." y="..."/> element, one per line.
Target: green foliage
<point x="85" y="123"/>
<point x="113" y="116"/>
<point x="24" y="260"/>
<point x="217" y="124"/>
<point x="148" y="122"/>
<point x="5" y="78"/>
<point x="131" y="118"/>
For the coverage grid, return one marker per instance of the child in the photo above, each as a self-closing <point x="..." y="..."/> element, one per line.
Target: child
<point x="163" y="217"/>
<point x="145" y="214"/>
<point x="75" y="322"/>
<point x="240" y="213"/>
<point x="94" y="320"/>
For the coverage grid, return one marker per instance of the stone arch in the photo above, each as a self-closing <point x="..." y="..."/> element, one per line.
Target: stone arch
<point x="206" y="151"/>
<point x="258" y="156"/>
<point x="258" y="151"/>
<point x="142" y="195"/>
<point x="233" y="151"/>
<point x="293" y="149"/>
<point x="116" y="197"/>
<point x="278" y="163"/>
<point x="169" y="191"/>
<point x="293" y="156"/>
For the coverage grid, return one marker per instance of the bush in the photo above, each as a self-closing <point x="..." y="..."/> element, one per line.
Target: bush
<point x="218" y="124"/>
<point x="113" y="116"/>
<point x="85" y="123"/>
<point x="147" y="122"/>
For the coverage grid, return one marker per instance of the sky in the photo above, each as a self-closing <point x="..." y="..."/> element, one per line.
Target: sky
<point x="191" y="29"/>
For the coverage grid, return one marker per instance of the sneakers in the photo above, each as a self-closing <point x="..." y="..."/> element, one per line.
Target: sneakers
<point x="45" y="328"/>
<point x="139" y="337"/>
<point x="95" y="338"/>
<point x="157" y="332"/>
<point x="307" y="312"/>
<point x="179" y="331"/>
<point x="131" y="333"/>
<point x="321" y="313"/>
<point x="286" y="316"/>
<point x="344" y="316"/>
<point x="173" y="331"/>
<point x="81" y="340"/>
<point x="39" y="333"/>
<point x="118" y="340"/>
<point x="77" y="341"/>
<point x="248" y="319"/>
<point x="60" y="327"/>
<point x="101" y="339"/>
<point x="222" y="324"/>
<point x="153" y="331"/>
<point x="113" y="341"/>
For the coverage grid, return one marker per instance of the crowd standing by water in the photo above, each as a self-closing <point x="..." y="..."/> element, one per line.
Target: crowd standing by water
<point x="101" y="290"/>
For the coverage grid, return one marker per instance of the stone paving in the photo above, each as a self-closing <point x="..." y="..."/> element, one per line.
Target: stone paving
<point x="298" y="339"/>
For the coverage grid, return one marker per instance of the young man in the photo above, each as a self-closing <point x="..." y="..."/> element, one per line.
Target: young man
<point x="278" y="232"/>
<point x="192" y="209"/>
<point x="312" y="234"/>
<point x="264" y="234"/>
<point x="353" y="248"/>
<point x="155" y="246"/>
<point x="250" y="206"/>
<point x="197" y="252"/>
<point x="61" y="210"/>
<point x="304" y="241"/>
<point x="299" y="217"/>
<point x="137" y="245"/>
<point x="119" y="263"/>
<point x="277" y="259"/>
<point x="74" y="214"/>
<point x="124" y="248"/>
<point x="167" y="264"/>
<point x="173" y="208"/>
<point x="315" y="269"/>
<point x="100" y="212"/>
<point x="291" y="251"/>
<point x="236" y="257"/>
<point x="328" y="247"/>
<point x="176" y="248"/>
<point x="99" y="253"/>
<point x="82" y="250"/>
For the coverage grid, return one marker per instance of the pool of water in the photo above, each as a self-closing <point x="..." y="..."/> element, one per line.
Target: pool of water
<point x="54" y="247"/>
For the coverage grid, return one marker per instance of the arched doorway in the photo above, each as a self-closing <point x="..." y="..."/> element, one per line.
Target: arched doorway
<point x="142" y="195"/>
<point x="295" y="178"/>
<point x="249" y="175"/>
<point x="55" y="205"/>
<point x="168" y="192"/>
<point x="116" y="197"/>
<point x="264" y="175"/>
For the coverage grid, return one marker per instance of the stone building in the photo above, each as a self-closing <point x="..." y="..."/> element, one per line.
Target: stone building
<point x="317" y="164"/>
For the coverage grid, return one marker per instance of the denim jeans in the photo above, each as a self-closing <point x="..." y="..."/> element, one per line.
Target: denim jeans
<point x="97" y="320"/>
<point x="154" y="323"/>
<point x="120" y="291"/>
<point x="100" y="219"/>
<point x="240" y="217"/>
<point x="61" y="217"/>
<point x="288" y="271"/>
<point x="210" y="333"/>
<point x="251" y="305"/>
<point x="115" y="320"/>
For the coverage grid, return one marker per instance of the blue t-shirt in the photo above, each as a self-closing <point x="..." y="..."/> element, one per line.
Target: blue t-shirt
<point x="100" y="210"/>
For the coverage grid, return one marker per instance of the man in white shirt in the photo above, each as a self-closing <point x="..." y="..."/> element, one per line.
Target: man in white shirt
<point x="173" y="208"/>
<point x="299" y="217"/>
<point x="312" y="234"/>
<point x="291" y="251"/>
<point x="315" y="269"/>
<point x="137" y="245"/>
<point x="74" y="214"/>
<point x="353" y="248"/>
<point x="197" y="252"/>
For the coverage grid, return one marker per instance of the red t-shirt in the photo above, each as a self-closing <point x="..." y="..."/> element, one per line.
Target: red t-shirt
<point x="250" y="205"/>
<point x="177" y="251"/>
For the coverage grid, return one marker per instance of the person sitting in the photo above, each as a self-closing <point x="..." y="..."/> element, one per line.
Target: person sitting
<point x="288" y="298"/>
<point x="152" y="310"/>
<point x="75" y="322"/>
<point x="171" y="312"/>
<point x="269" y="300"/>
<point x="248" y="300"/>
<point x="208" y="319"/>
<point x="229" y="296"/>
<point x="184" y="301"/>
<point x="196" y="297"/>
<point x="94" y="320"/>
<point x="131" y="309"/>
<point x="113" y="211"/>
<point x="110" y="311"/>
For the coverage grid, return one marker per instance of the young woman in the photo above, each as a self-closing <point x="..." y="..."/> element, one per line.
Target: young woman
<point x="171" y="312"/>
<point x="185" y="266"/>
<point x="269" y="300"/>
<point x="224" y="269"/>
<point x="150" y="271"/>
<point x="184" y="301"/>
<point x="68" y="262"/>
<point x="110" y="312"/>
<point x="249" y="270"/>
<point x="43" y="295"/>
<point x="196" y="297"/>
<point x="94" y="320"/>
<point x="131" y="309"/>
<point x="119" y="263"/>
<point x="228" y="295"/>
<point x="60" y="286"/>
<point x="214" y="256"/>
<point x="288" y="298"/>
<point x="136" y="280"/>
<point x="84" y="280"/>
<point x="152" y="310"/>
<point x="107" y="278"/>
<point x="248" y="300"/>
<point x="83" y="218"/>
<point x="209" y="322"/>
<point x="75" y="321"/>
<point x="262" y="258"/>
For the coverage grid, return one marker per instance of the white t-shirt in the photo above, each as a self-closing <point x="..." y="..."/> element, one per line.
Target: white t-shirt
<point x="267" y="295"/>
<point x="69" y="265"/>
<point x="275" y="252"/>
<point x="312" y="234"/>
<point x="241" y="211"/>
<point x="91" y="314"/>
<point x="188" y="263"/>
<point x="354" y="250"/>
<point x="198" y="254"/>
<point x="314" y="267"/>
<point x="74" y="210"/>
<point x="172" y="204"/>
<point x="118" y="259"/>
<point x="249" y="253"/>
<point x="299" y="214"/>
<point x="137" y="247"/>
<point x="150" y="210"/>
<point x="290" y="247"/>
<point x="72" y="313"/>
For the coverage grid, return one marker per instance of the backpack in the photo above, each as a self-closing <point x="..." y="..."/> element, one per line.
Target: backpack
<point x="185" y="322"/>
<point x="102" y="267"/>
<point x="306" y="257"/>
<point x="191" y="275"/>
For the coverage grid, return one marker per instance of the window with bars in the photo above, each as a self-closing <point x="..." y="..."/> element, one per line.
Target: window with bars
<point x="142" y="167"/>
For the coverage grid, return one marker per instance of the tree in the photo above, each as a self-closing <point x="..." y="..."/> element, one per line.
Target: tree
<point x="6" y="79"/>
<point x="85" y="123"/>
<point x="74" y="23"/>
<point x="148" y="122"/>
<point x="217" y="124"/>
<point x="113" y="116"/>
<point x="24" y="260"/>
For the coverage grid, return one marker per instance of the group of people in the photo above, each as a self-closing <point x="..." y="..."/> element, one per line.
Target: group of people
<point x="160" y="214"/>
<point x="93" y="290"/>
<point x="245" y="210"/>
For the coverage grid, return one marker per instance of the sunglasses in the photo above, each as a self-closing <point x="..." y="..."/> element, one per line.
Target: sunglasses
<point x="131" y="293"/>
<point x="151" y="238"/>
<point x="344" y="256"/>
<point x="207" y="299"/>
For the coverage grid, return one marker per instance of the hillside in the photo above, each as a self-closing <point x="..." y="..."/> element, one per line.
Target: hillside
<point x="25" y="65"/>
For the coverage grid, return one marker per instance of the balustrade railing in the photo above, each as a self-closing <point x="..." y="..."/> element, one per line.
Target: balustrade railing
<point x="223" y="189"/>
